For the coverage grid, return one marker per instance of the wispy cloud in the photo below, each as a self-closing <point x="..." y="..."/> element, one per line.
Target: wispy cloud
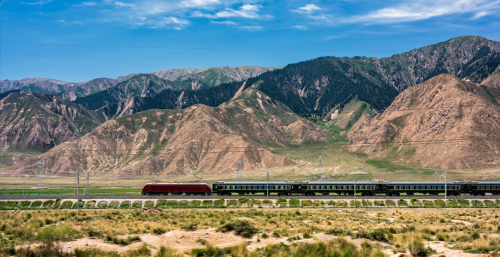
<point x="300" y="27"/>
<point x="42" y="2"/>
<point x="199" y="3"/>
<point x="85" y="4"/>
<point x="164" y="22"/>
<point x="311" y="11"/>
<point x="225" y="22"/>
<point x="120" y="4"/>
<point x="307" y="9"/>
<point x="238" y="26"/>
<point x="248" y="11"/>
<point x="426" y="9"/>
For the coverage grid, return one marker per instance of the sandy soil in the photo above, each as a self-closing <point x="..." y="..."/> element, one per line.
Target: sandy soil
<point x="186" y="240"/>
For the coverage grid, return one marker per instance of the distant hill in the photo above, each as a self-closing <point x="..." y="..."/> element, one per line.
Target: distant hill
<point x="443" y="122"/>
<point x="196" y="139"/>
<point x="188" y="78"/>
<point x="41" y="121"/>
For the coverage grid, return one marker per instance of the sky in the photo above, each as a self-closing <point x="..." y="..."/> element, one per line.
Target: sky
<point x="77" y="41"/>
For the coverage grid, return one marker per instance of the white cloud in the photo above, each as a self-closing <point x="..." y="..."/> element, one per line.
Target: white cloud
<point x="307" y="9"/>
<point x="120" y="4"/>
<point x="42" y="2"/>
<point x="199" y="3"/>
<point x="300" y="27"/>
<point x="238" y="26"/>
<point x="225" y="22"/>
<point x="163" y="22"/>
<point x="247" y="11"/>
<point x="426" y="9"/>
<point x="251" y="28"/>
<point x="85" y="4"/>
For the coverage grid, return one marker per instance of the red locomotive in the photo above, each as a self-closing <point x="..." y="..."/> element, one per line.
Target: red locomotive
<point x="176" y="189"/>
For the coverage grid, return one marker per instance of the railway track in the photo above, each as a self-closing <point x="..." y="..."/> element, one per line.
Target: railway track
<point x="214" y="197"/>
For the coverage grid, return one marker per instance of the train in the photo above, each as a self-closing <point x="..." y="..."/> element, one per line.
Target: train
<point x="313" y="188"/>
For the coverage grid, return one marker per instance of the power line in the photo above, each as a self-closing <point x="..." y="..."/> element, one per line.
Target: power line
<point x="198" y="48"/>
<point x="146" y="57"/>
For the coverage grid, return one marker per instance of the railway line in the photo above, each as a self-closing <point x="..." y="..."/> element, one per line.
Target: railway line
<point x="260" y="197"/>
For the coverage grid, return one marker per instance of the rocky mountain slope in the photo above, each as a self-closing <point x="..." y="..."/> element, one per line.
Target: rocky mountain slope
<point x="173" y="99"/>
<point x="31" y="85"/>
<point x="327" y="84"/>
<point x="140" y="85"/>
<point x="443" y="122"/>
<point x="188" y="78"/>
<point x="196" y="139"/>
<point x="42" y="121"/>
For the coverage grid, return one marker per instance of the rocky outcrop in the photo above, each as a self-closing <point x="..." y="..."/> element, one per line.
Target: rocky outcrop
<point x="444" y="122"/>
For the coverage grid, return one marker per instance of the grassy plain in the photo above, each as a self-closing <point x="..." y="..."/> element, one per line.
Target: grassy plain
<point x="250" y="232"/>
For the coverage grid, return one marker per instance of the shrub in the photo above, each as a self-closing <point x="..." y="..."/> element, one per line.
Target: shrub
<point x="417" y="248"/>
<point x="335" y="232"/>
<point x="376" y="235"/>
<point x="276" y="234"/>
<point x="159" y="231"/>
<point x="264" y="235"/>
<point x="240" y="227"/>
<point x="190" y="227"/>
<point x="201" y="241"/>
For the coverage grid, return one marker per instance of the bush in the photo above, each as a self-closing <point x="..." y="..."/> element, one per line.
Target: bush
<point x="335" y="232"/>
<point x="376" y="235"/>
<point x="417" y="248"/>
<point x="264" y="235"/>
<point x="240" y="227"/>
<point x="276" y="234"/>
<point x="190" y="227"/>
<point x="159" y="231"/>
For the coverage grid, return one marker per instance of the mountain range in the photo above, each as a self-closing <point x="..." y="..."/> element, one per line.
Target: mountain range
<point x="175" y="121"/>
<point x="192" y="78"/>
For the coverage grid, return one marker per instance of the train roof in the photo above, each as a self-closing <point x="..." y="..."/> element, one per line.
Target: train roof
<point x="254" y="182"/>
<point x="484" y="182"/>
<point x="338" y="183"/>
<point x="423" y="183"/>
<point x="176" y="183"/>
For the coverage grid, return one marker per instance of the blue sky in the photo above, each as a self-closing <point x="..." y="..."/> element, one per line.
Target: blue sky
<point x="81" y="40"/>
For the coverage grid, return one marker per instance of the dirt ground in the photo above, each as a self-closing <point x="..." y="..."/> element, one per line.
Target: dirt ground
<point x="183" y="241"/>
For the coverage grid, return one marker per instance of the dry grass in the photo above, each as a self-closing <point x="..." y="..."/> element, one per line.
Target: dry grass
<point x="398" y="227"/>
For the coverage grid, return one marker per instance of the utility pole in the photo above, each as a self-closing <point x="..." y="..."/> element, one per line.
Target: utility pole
<point x="267" y="185"/>
<point x="445" y="189"/>
<point x="78" y="191"/>
<point x="239" y="171"/>
<point x="88" y="175"/>
<point x="355" y="204"/>
<point x="320" y="169"/>
<point x="41" y="171"/>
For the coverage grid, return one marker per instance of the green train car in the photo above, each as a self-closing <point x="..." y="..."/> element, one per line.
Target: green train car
<point x="341" y="188"/>
<point x="253" y="187"/>
<point x="482" y="188"/>
<point x="431" y="188"/>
